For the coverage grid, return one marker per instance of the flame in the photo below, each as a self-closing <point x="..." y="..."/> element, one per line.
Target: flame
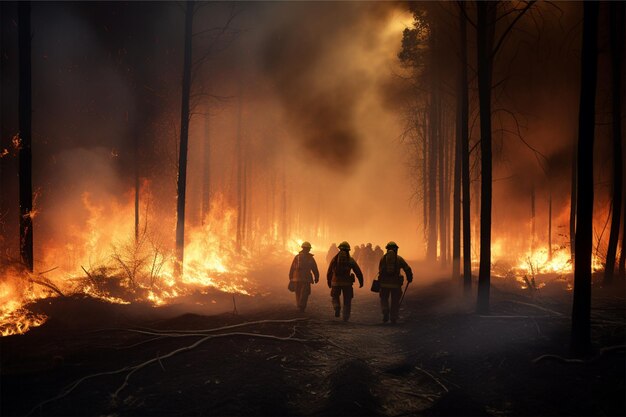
<point x="100" y="257"/>
<point x="14" y="317"/>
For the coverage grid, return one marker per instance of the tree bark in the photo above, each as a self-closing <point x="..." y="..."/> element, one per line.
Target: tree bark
<point x="238" y="146"/>
<point x="206" y="168"/>
<point x="184" y="139"/>
<point x="573" y="199"/>
<point x="581" y="309"/>
<point x="25" y="135"/>
<point x="486" y="14"/>
<point x="464" y="116"/>
<point x="431" y="251"/>
<point x="456" y="193"/>
<point x="616" y="10"/>
<point x="441" y="165"/>
<point x="550" y="225"/>
<point x="137" y="185"/>
<point x="533" y="228"/>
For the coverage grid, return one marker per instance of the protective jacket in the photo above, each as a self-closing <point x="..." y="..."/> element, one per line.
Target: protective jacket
<point x="389" y="270"/>
<point x="339" y="270"/>
<point x="302" y="266"/>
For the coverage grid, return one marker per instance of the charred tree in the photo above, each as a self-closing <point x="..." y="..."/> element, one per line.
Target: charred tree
<point x="433" y="124"/>
<point x="456" y="193"/>
<point x="581" y="309"/>
<point x="239" y="153"/>
<point x="464" y="139"/>
<point x="137" y="185"/>
<point x="533" y="220"/>
<point x="550" y="224"/>
<point x="441" y="177"/>
<point x="487" y="19"/>
<point x="485" y="28"/>
<point x="25" y="136"/>
<point x="184" y="139"/>
<point x="617" y="35"/>
<point x="573" y="199"/>
<point x="206" y="168"/>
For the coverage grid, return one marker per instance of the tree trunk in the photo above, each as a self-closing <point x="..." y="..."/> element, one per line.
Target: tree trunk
<point x="573" y="199"/>
<point x="184" y="139"/>
<point x="283" y="213"/>
<point x="550" y="225"/>
<point x="441" y="165"/>
<point x="137" y="185"/>
<point x="425" y="160"/>
<point x="533" y="229"/>
<point x="431" y="251"/>
<point x="464" y="111"/>
<point x="25" y="126"/>
<point x="456" y="193"/>
<point x="206" y="168"/>
<point x="581" y="331"/>
<point x="238" y="145"/>
<point x="617" y="46"/>
<point x="486" y="13"/>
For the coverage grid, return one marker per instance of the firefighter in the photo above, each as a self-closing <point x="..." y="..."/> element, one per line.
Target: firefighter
<point x="302" y="274"/>
<point x="391" y="281"/>
<point x="340" y="279"/>
<point x="332" y="251"/>
<point x="368" y="261"/>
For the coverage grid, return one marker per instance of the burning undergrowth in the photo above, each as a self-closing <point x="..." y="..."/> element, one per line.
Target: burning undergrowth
<point x="100" y="259"/>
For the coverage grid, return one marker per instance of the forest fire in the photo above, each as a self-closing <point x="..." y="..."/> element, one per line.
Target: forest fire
<point x="101" y="259"/>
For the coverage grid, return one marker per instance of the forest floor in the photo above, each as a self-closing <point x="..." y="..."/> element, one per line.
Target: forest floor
<point x="440" y="359"/>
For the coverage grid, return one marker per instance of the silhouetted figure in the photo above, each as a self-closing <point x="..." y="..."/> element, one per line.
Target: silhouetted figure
<point x="340" y="280"/>
<point x="332" y="252"/>
<point x="368" y="261"/>
<point x="303" y="270"/>
<point x="391" y="281"/>
<point x="378" y="253"/>
<point x="357" y="253"/>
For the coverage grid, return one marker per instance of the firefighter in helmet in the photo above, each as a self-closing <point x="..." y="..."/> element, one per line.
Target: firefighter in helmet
<point x="302" y="273"/>
<point x="391" y="281"/>
<point x="340" y="279"/>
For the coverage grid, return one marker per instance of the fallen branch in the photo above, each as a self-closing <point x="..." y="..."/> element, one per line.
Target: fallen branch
<point x="48" y="285"/>
<point x="522" y="317"/>
<point x="538" y="307"/>
<point x="216" y="329"/>
<point x="433" y="378"/>
<point x="568" y="360"/>
<point x="431" y="397"/>
<point x="132" y="369"/>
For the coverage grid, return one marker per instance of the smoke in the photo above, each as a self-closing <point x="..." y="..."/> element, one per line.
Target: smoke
<point x="313" y="60"/>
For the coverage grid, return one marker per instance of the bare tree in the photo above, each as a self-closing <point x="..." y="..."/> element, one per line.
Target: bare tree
<point x="581" y="309"/>
<point x="616" y="10"/>
<point x="464" y="139"/>
<point x="487" y="48"/>
<point x="485" y="28"/>
<point x="184" y="138"/>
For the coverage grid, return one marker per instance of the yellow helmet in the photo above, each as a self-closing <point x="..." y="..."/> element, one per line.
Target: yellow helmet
<point x="344" y="245"/>
<point x="306" y="245"/>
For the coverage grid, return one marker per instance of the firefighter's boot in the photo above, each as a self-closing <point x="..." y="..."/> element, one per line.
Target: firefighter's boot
<point x="337" y="311"/>
<point x="346" y="312"/>
<point x="385" y="316"/>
